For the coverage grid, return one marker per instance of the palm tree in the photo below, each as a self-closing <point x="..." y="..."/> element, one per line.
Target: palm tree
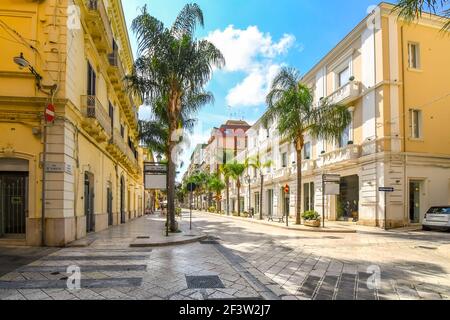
<point x="259" y="166"/>
<point x="173" y="67"/>
<point x="216" y="186"/>
<point x="235" y="171"/>
<point x="414" y="9"/>
<point x="290" y="103"/>
<point x="225" y="171"/>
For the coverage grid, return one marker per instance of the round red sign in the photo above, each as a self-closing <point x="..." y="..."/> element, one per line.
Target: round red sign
<point x="50" y="113"/>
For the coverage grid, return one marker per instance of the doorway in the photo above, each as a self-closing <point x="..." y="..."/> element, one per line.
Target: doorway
<point x="13" y="203"/>
<point x="122" y="200"/>
<point x="270" y="203"/>
<point x="348" y="199"/>
<point x="286" y="202"/>
<point x="89" y="202"/>
<point x="109" y="204"/>
<point x="257" y="200"/>
<point x="414" y="201"/>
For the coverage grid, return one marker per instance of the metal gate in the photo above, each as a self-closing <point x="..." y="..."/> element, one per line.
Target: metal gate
<point x="109" y="203"/>
<point x="89" y="202"/>
<point x="13" y="203"/>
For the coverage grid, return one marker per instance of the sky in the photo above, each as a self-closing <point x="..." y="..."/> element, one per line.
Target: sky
<point x="257" y="38"/>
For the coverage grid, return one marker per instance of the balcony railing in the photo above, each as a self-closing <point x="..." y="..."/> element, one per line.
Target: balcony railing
<point x="98" y="13"/>
<point x="280" y="174"/>
<point x="347" y="93"/>
<point x="91" y="108"/>
<point x="119" y="141"/>
<point x="351" y="152"/>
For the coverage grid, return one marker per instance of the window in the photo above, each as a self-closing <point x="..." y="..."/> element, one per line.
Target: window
<point x="91" y="81"/>
<point x="416" y="124"/>
<point x="343" y="77"/>
<point x="122" y="131"/>
<point x="308" y="195"/>
<point x="284" y="160"/>
<point x="414" y="55"/>
<point x="307" y="151"/>
<point x="345" y="138"/>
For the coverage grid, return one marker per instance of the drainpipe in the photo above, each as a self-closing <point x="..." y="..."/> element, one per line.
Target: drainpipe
<point x="405" y="210"/>
<point x="44" y="162"/>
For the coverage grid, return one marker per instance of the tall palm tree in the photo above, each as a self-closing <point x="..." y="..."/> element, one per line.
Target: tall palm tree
<point x="216" y="186"/>
<point x="173" y="66"/>
<point x="259" y="166"/>
<point x="290" y="103"/>
<point x="236" y="170"/>
<point x="414" y="9"/>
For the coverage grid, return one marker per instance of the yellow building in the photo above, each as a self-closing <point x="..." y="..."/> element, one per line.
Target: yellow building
<point x="74" y="55"/>
<point x="394" y="78"/>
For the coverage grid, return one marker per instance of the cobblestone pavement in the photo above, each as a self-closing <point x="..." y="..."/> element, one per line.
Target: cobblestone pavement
<point x="242" y="261"/>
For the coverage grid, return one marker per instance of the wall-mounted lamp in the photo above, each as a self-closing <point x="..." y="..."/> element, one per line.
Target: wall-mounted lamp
<point x="24" y="63"/>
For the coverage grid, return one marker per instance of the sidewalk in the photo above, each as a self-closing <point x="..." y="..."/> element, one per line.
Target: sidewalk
<point x="330" y="226"/>
<point x="146" y="231"/>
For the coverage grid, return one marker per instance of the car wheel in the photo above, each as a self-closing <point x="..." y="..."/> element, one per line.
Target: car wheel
<point x="425" y="228"/>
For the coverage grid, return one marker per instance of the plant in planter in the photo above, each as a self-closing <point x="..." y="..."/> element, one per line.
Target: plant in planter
<point x="352" y="78"/>
<point x="311" y="218"/>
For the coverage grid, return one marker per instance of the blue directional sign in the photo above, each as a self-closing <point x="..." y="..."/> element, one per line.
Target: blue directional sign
<point x="386" y="189"/>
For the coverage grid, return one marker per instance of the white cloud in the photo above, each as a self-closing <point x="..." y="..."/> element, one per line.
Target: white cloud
<point x="254" y="53"/>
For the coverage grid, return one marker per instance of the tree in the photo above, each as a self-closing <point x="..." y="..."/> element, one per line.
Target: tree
<point x="225" y="171"/>
<point x="235" y="171"/>
<point x="414" y="9"/>
<point x="216" y="186"/>
<point x="259" y="166"/>
<point x="173" y="68"/>
<point x="290" y="103"/>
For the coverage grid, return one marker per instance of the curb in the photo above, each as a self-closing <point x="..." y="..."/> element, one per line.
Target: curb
<point x="280" y="226"/>
<point x="139" y="243"/>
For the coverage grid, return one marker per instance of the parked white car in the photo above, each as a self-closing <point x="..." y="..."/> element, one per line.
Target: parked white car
<point x="437" y="218"/>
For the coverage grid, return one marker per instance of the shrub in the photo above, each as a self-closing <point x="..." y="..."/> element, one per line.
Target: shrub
<point x="212" y="209"/>
<point x="311" y="215"/>
<point x="178" y="211"/>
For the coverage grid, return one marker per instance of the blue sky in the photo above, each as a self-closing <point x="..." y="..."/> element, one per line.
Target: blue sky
<point x="257" y="37"/>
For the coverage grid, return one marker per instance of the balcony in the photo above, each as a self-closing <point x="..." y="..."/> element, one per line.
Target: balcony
<point x="121" y="151"/>
<point x="98" y="25"/>
<point x="281" y="174"/>
<point x="96" y="120"/>
<point x="346" y="94"/>
<point x="339" y="157"/>
<point x="307" y="166"/>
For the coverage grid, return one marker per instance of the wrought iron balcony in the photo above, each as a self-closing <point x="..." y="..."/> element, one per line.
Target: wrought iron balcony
<point x="96" y="120"/>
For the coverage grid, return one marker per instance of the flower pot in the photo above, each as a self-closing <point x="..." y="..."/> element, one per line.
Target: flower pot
<point x="312" y="223"/>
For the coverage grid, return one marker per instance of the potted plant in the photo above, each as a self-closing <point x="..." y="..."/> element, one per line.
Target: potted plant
<point x="311" y="218"/>
<point x="352" y="78"/>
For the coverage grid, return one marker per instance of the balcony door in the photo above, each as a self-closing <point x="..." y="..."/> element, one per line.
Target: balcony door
<point x="91" y="81"/>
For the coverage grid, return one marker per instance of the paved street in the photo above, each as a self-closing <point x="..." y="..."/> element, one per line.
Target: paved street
<point x="242" y="260"/>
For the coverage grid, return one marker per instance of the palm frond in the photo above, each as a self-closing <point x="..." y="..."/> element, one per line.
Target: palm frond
<point x="187" y="20"/>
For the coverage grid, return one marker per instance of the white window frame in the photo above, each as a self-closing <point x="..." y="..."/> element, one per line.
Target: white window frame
<point x="415" y="125"/>
<point x="417" y="63"/>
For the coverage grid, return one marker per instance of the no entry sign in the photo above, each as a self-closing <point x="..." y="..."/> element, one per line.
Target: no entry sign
<point x="50" y="113"/>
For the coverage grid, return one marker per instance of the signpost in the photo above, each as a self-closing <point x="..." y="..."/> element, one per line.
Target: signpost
<point x="386" y="190"/>
<point x="333" y="189"/>
<point x="287" y="191"/>
<point x="50" y="113"/>
<point x="155" y="178"/>
<point x="191" y="188"/>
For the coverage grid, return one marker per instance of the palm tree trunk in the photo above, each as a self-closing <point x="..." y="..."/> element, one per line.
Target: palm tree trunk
<point x="261" y="198"/>
<point x="228" y="196"/>
<point x="298" y="219"/>
<point x="238" y="184"/>
<point x="171" y="188"/>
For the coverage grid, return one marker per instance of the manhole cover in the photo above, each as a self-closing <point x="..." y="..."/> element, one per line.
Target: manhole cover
<point x="143" y="237"/>
<point x="204" y="282"/>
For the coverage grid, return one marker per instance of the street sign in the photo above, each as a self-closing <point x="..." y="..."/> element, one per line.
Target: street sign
<point x="155" y="176"/>
<point x="331" y="178"/>
<point x="286" y="189"/>
<point x="386" y="189"/>
<point x="50" y="113"/>
<point x="332" y="189"/>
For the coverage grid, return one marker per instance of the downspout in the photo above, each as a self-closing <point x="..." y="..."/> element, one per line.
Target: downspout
<point x="404" y="126"/>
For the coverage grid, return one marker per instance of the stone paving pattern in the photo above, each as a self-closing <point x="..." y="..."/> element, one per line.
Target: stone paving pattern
<point x="252" y="261"/>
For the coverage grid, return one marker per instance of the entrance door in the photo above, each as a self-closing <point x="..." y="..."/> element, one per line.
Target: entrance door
<point x="89" y="202"/>
<point x="414" y="201"/>
<point x="270" y="203"/>
<point x="257" y="200"/>
<point x="286" y="203"/>
<point x="122" y="200"/>
<point x="13" y="203"/>
<point x="109" y="202"/>
<point x="348" y="199"/>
